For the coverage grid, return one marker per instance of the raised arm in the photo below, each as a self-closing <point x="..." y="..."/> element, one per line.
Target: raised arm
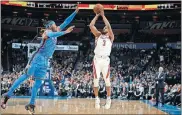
<point x="68" y="20"/>
<point x="107" y="25"/>
<point x="93" y="28"/>
<point x="57" y="34"/>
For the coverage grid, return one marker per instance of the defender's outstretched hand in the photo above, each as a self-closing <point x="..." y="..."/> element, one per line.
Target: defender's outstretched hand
<point x="70" y="29"/>
<point x="77" y="8"/>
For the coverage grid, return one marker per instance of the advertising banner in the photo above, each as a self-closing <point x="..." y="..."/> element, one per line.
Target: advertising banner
<point x="58" y="47"/>
<point x="20" y="21"/>
<point x="174" y="45"/>
<point x="91" y="6"/>
<point x="47" y="88"/>
<point x="14" y="3"/>
<point x="160" y="25"/>
<point x="165" y="27"/>
<point x="33" y="47"/>
<point x="135" y="45"/>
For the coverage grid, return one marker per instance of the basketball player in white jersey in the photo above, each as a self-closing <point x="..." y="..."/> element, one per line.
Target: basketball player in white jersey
<point x="101" y="61"/>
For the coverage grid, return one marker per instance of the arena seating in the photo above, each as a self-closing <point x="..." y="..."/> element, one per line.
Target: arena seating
<point x="132" y="70"/>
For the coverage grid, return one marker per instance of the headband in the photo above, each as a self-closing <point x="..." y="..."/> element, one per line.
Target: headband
<point x="49" y="24"/>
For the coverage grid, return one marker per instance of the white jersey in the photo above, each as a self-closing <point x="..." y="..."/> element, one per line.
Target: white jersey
<point x="103" y="46"/>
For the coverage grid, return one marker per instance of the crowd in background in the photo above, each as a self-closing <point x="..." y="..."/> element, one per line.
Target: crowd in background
<point x="133" y="73"/>
<point x="19" y="59"/>
<point x="140" y="37"/>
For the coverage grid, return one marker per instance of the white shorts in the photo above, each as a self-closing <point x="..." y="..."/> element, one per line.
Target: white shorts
<point x="101" y="65"/>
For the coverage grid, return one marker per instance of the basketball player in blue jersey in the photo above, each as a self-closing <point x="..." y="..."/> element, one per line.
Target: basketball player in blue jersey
<point x="37" y="65"/>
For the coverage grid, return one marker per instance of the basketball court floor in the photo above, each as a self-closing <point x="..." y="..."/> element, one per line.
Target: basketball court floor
<point x="79" y="106"/>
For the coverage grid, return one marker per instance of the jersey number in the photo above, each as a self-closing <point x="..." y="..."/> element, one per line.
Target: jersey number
<point x="104" y="42"/>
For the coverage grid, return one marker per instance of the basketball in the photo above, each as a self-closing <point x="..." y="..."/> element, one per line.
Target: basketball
<point x="98" y="8"/>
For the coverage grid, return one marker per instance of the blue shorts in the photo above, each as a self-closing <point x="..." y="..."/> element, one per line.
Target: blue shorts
<point x="38" y="66"/>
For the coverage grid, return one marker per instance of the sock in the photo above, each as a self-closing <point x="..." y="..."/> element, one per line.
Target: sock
<point x="96" y="97"/>
<point x="35" y="88"/>
<point x="6" y="99"/>
<point x="108" y="97"/>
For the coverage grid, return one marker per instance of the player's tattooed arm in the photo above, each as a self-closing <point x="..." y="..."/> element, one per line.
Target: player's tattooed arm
<point x="108" y="25"/>
<point x="93" y="28"/>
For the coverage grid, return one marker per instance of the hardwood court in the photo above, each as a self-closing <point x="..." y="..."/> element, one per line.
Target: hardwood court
<point x="79" y="106"/>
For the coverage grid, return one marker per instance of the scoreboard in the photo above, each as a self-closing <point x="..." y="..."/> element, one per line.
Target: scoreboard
<point x="91" y="6"/>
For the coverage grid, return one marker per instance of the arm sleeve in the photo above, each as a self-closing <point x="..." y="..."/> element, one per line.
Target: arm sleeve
<point x="67" y="21"/>
<point x="55" y="34"/>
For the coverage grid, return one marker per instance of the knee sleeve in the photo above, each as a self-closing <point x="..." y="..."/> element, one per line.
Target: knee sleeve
<point x="107" y="82"/>
<point x="96" y="82"/>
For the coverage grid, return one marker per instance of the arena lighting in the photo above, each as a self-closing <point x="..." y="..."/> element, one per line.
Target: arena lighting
<point x="123" y="16"/>
<point x="14" y="12"/>
<point x="45" y="14"/>
<point x="29" y="14"/>
<point x="137" y="17"/>
<point x="155" y="18"/>
<point x="59" y="17"/>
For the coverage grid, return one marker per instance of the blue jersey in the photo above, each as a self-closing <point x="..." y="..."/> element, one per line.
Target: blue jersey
<point x="45" y="51"/>
<point x="48" y="46"/>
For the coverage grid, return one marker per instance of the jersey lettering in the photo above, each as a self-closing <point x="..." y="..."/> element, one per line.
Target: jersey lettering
<point x="103" y="47"/>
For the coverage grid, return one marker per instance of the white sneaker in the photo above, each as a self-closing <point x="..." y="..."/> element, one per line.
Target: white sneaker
<point x="97" y="103"/>
<point x="108" y="104"/>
